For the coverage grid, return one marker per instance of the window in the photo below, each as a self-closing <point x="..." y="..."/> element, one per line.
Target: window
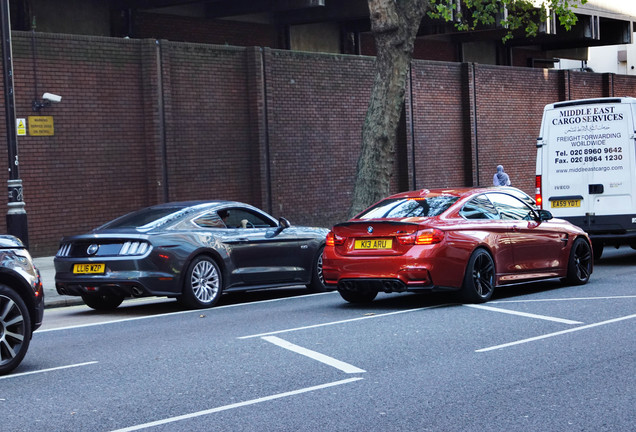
<point x="479" y="207"/>
<point x="510" y="208"/>
<point x="522" y="196"/>
<point x="209" y="220"/>
<point x="237" y="217"/>
<point x="409" y="207"/>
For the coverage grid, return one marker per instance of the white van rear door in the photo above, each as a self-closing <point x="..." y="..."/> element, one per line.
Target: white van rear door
<point x="589" y="156"/>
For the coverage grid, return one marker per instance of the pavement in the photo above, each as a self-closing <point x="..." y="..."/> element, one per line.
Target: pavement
<point x="51" y="297"/>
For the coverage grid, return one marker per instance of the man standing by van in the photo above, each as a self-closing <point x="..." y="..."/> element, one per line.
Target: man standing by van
<point x="500" y="178"/>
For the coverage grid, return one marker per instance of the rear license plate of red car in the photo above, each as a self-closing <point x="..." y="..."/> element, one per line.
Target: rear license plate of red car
<point x="89" y="268"/>
<point x="373" y="244"/>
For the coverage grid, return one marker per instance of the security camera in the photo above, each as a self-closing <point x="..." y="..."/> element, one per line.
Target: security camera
<point x="51" y="97"/>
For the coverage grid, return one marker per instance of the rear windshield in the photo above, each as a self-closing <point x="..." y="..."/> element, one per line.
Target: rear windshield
<point x="409" y="207"/>
<point x="141" y="218"/>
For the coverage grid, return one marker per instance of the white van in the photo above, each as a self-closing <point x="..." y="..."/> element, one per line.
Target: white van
<point x="586" y="167"/>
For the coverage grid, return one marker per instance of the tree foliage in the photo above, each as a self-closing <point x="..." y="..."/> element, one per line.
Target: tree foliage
<point x="394" y="24"/>
<point x="513" y="14"/>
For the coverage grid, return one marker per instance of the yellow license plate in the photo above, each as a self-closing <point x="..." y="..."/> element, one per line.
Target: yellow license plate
<point x="89" y="268"/>
<point x="565" y="203"/>
<point x="374" y="244"/>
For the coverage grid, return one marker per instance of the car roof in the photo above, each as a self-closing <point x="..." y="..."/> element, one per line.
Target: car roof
<point x="185" y="204"/>
<point x="175" y="211"/>
<point x="460" y="192"/>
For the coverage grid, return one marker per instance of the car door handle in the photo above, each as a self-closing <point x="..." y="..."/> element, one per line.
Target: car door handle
<point x="515" y="228"/>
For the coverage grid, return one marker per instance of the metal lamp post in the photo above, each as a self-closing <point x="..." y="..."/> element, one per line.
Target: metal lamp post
<point x="16" y="214"/>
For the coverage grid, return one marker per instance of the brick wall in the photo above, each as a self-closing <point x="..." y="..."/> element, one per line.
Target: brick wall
<point x="441" y="131"/>
<point x="316" y="104"/>
<point x="95" y="166"/>
<point x="143" y="121"/>
<point x="584" y="85"/>
<point x="623" y="85"/>
<point x="209" y="146"/>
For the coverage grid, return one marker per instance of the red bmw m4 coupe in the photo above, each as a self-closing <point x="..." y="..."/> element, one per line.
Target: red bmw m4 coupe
<point x="469" y="240"/>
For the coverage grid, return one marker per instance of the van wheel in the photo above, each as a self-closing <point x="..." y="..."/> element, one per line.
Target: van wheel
<point x="597" y="247"/>
<point x="580" y="263"/>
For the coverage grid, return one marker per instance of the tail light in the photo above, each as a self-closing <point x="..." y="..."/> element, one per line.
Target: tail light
<point x="65" y="250"/>
<point x="334" y="240"/>
<point x="134" y="248"/>
<point x="406" y="239"/>
<point x="422" y="237"/>
<point x="538" y="196"/>
<point x="429" y="237"/>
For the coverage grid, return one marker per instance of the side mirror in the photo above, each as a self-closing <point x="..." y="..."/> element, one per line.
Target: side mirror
<point x="283" y="223"/>
<point x="544" y="215"/>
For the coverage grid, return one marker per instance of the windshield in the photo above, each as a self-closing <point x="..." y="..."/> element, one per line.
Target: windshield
<point x="409" y="207"/>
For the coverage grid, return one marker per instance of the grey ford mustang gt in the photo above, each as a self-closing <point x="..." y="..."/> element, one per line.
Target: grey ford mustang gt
<point x="193" y="251"/>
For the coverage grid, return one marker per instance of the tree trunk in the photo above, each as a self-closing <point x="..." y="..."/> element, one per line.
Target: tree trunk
<point x="394" y="24"/>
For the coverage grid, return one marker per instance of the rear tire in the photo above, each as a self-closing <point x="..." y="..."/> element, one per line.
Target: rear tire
<point x="358" y="297"/>
<point x="579" y="263"/>
<point x="102" y="302"/>
<point x="15" y="329"/>
<point x="479" y="279"/>
<point x="317" y="283"/>
<point x="203" y="284"/>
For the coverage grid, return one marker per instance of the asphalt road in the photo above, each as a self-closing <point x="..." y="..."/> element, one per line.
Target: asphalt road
<point x="538" y="357"/>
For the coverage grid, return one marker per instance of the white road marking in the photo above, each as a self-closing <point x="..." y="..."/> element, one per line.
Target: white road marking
<point x="340" y="322"/>
<point x="536" y="338"/>
<point x="523" y="314"/>
<point x="563" y="299"/>
<point x="48" y="370"/>
<point x="330" y="361"/>
<point x="236" y="405"/>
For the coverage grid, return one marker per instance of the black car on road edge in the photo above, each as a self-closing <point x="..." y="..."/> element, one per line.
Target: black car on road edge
<point x="21" y="302"/>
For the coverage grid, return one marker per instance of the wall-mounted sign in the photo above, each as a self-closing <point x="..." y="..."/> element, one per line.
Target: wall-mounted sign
<point x="41" y="126"/>
<point x="20" y="125"/>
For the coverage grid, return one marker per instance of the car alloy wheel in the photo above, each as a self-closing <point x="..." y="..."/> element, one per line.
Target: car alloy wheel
<point x="203" y="285"/>
<point x="580" y="263"/>
<point x="317" y="283"/>
<point x="479" y="281"/>
<point x="15" y="333"/>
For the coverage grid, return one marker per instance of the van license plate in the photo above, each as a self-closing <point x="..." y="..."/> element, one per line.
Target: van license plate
<point x="374" y="244"/>
<point x="565" y="203"/>
<point x="89" y="268"/>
